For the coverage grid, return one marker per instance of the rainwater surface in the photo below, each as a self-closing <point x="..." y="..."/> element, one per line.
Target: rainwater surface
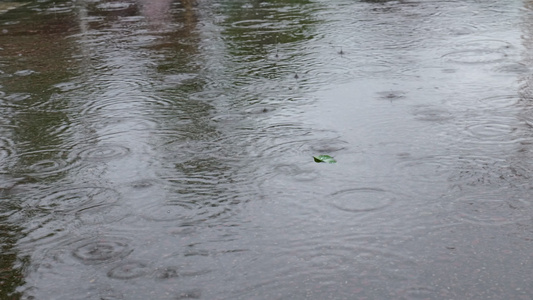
<point x="161" y="149"/>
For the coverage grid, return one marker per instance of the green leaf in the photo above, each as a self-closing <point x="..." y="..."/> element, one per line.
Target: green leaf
<point x="324" y="158"/>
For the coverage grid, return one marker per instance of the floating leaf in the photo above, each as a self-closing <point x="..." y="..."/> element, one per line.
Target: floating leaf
<point x="324" y="158"/>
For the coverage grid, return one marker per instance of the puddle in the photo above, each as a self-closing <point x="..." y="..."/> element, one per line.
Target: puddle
<point x="159" y="149"/>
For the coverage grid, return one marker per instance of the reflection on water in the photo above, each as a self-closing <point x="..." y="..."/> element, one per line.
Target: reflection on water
<point x="163" y="150"/>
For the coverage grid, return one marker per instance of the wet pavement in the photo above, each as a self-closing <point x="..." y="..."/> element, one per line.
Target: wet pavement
<point x="164" y="149"/>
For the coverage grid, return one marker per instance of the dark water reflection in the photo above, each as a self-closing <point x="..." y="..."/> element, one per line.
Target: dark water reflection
<point x="163" y="149"/>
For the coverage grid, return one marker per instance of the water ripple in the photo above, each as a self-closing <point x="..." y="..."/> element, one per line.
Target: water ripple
<point x="429" y="169"/>
<point x="129" y="270"/>
<point x="114" y="6"/>
<point x="7" y="151"/>
<point x="68" y="86"/>
<point x="498" y="102"/>
<point x="189" y="294"/>
<point x="44" y="163"/>
<point x="167" y="273"/>
<point x="15" y="98"/>
<point x="432" y="114"/>
<point x="45" y="230"/>
<point x="344" y="271"/>
<point x="103" y="249"/>
<point x="76" y="199"/>
<point x="418" y="292"/>
<point x="283" y="145"/>
<point x="294" y="172"/>
<point x="495" y="208"/>
<point x="47" y="167"/>
<point x="169" y="212"/>
<point x="475" y="56"/>
<point x="479" y="52"/>
<point x="497" y="130"/>
<point x="269" y="141"/>
<point x="102" y="152"/>
<point x="513" y="69"/>
<point x="488" y="171"/>
<point x="364" y="199"/>
<point x="116" y="101"/>
<point x="195" y="194"/>
<point x="117" y="126"/>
